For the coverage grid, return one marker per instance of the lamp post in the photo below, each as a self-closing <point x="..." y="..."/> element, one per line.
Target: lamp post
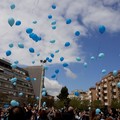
<point x="41" y="81"/>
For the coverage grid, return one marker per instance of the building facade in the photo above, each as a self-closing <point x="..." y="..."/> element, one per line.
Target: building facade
<point x="92" y="94"/>
<point x="107" y="89"/>
<point x="13" y="89"/>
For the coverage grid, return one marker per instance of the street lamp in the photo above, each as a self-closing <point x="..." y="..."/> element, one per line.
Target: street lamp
<point x="41" y="81"/>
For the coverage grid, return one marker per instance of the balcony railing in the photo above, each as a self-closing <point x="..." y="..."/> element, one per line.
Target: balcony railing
<point x="105" y="85"/>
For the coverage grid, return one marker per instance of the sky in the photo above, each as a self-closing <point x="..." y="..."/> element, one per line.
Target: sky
<point x="86" y="17"/>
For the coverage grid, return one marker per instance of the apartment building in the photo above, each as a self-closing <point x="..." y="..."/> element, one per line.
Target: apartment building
<point x="92" y="94"/>
<point x="107" y="89"/>
<point x="22" y="85"/>
<point x="82" y="95"/>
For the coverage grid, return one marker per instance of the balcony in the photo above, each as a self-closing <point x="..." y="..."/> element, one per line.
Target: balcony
<point x="105" y="97"/>
<point x="114" y="90"/>
<point x="105" y="85"/>
<point x="105" y="91"/>
<point x="114" y="96"/>
<point x="113" y="84"/>
<point x="106" y="103"/>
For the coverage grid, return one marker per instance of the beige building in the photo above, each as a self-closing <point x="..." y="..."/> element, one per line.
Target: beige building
<point x="82" y="95"/>
<point x="92" y="94"/>
<point x="107" y="89"/>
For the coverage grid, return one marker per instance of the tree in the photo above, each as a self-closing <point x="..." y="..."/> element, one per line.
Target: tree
<point x="75" y="103"/>
<point x="63" y="94"/>
<point x="58" y="104"/>
<point x="115" y="104"/>
<point x="96" y="104"/>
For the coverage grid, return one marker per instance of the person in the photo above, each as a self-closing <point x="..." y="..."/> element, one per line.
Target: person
<point x="16" y="113"/>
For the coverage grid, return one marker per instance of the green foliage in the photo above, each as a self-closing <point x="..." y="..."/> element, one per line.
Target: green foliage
<point x="84" y="104"/>
<point x="59" y="104"/>
<point x="75" y="103"/>
<point x="79" y="104"/>
<point x="63" y="94"/>
<point x="96" y="104"/>
<point x="115" y="104"/>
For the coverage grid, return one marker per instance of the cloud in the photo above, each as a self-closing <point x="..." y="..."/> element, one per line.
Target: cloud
<point x="52" y="86"/>
<point x="85" y="14"/>
<point x="69" y="73"/>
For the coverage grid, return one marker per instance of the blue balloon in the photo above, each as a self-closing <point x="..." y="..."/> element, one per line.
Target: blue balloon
<point x="18" y="23"/>
<point x="103" y="71"/>
<point x="76" y="93"/>
<point x="44" y="104"/>
<point x="20" y="45"/>
<point x="31" y="50"/>
<point x="53" y="76"/>
<point x="56" y="51"/>
<point x="28" y="78"/>
<point x="33" y="62"/>
<point x="14" y="103"/>
<point x="14" y="65"/>
<point x="101" y="29"/>
<point x="118" y="84"/>
<point x="37" y="98"/>
<point x="45" y="67"/>
<point x="44" y="89"/>
<point x="115" y="72"/>
<point x="8" y="53"/>
<point x="85" y="64"/>
<point x="35" y="37"/>
<point x="97" y="111"/>
<point x="13" y="80"/>
<point x="53" y="23"/>
<point x="49" y="60"/>
<point x="53" y="6"/>
<point x="52" y="55"/>
<point x="14" y="83"/>
<point x="101" y="55"/>
<point x="34" y="79"/>
<point x="56" y="71"/>
<point x="67" y="44"/>
<point x="29" y="30"/>
<point x="11" y="21"/>
<point x="34" y="22"/>
<point x="52" y="41"/>
<point x="53" y="27"/>
<point x="38" y="54"/>
<point x="61" y="58"/>
<point x="20" y="94"/>
<point x="65" y="65"/>
<point x="12" y="6"/>
<point x="92" y="58"/>
<point x="16" y="62"/>
<point x="68" y="21"/>
<point x="11" y="45"/>
<point x="77" y="33"/>
<point x="49" y="16"/>
<point x="43" y="93"/>
<point x="78" y="58"/>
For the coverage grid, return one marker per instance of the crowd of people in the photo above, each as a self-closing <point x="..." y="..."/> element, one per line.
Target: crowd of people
<point x="30" y="112"/>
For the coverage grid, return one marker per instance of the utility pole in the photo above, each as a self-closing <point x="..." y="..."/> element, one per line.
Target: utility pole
<point x="41" y="82"/>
